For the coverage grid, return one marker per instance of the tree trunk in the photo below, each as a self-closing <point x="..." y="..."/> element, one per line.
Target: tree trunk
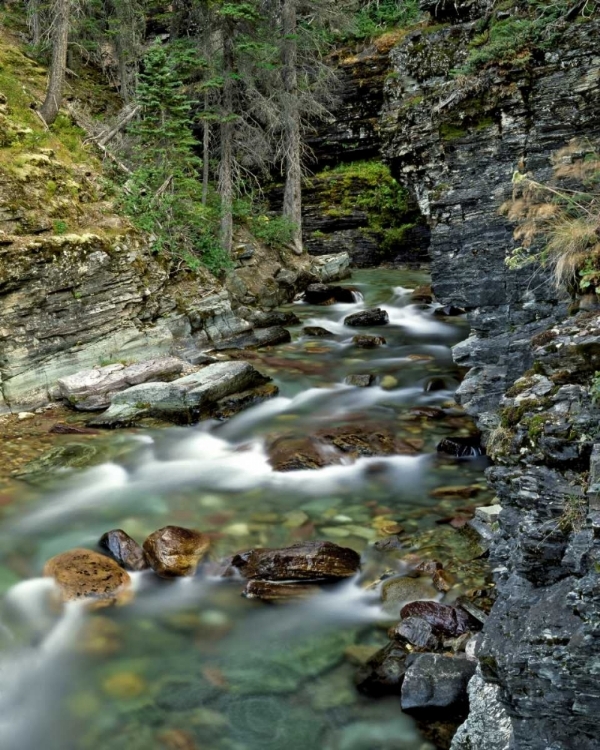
<point x="34" y="22"/>
<point x="60" y="42"/>
<point x="292" y="198"/>
<point x="226" y="170"/>
<point x="205" y="153"/>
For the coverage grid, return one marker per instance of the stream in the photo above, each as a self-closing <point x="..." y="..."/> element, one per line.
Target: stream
<point x="192" y="664"/>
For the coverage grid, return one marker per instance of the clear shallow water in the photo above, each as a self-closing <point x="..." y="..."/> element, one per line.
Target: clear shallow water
<point x="192" y="664"/>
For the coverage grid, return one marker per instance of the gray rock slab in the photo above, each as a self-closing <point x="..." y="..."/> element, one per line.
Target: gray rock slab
<point x="91" y="390"/>
<point x="435" y="681"/>
<point x="183" y="399"/>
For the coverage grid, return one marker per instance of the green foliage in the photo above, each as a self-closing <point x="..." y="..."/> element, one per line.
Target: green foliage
<point x="59" y="226"/>
<point x="164" y="194"/>
<point x="375" y="17"/>
<point x="273" y="231"/>
<point x="595" y="389"/>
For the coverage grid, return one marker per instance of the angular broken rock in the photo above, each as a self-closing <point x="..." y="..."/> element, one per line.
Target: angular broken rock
<point x="125" y="550"/>
<point x="230" y="405"/>
<point x="84" y="574"/>
<point x="91" y="390"/>
<point x="184" y="400"/>
<point x="278" y="591"/>
<point x="307" y="561"/>
<point x="442" y="617"/>
<point x="256" y="339"/>
<point x="417" y="631"/>
<point x="436" y="681"/>
<point x="174" y="551"/>
<point x="373" y="317"/>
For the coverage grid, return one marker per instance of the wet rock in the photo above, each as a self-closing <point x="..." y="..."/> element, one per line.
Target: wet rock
<point x="489" y="726"/>
<point x="368" y="342"/>
<point x="366" y="439"/>
<point x="449" y="311"/>
<point x="363" y="318"/>
<point x="396" y="592"/>
<point x="453" y="491"/>
<point x="384" y="673"/>
<point x="429" y="412"/>
<point x="326" y="294"/>
<point x="288" y="453"/>
<point x="416" y="631"/>
<point x="125" y="550"/>
<point x="185" y="399"/>
<point x="231" y="405"/>
<point x="435" y="384"/>
<point x="175" y="551"/>
<point x="331" y="267"/>
<point x="272" y="318"/>
<point x="316" y="331"/>
<point x="61" y="428"/>
<point x="442" y="580"/>
<point x="422" y="294"/>
<point x="92" y="390"/>
<point x="256" y="339"/>
<point x="84" y="574"/>
<point x="461" y="447"/>
<point x="360" y="381"/>
<point x="443" y="618"/>
<point x="277" y="591"/>
<point x="435" y="681"/>
<point x="301" y="562"/>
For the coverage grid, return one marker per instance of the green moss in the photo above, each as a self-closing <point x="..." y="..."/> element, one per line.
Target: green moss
<point x="451" y="132"/>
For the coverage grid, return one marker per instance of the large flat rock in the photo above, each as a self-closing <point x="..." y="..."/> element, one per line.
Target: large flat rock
<point x="92" y="390"/>
<point x="184" y="400"/>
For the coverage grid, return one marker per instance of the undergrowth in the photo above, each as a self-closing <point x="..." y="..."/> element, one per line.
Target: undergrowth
<point x="559" y="227"/>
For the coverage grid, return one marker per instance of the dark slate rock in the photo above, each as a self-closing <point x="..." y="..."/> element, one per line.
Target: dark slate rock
<point x="368" y="342"/>
<point x="327" y="294"/>
<point x="436" y="681"/>
<point x="316" y="331"/>
<point x="374" y="317"/>
<point x="256" y="339"/>
<point x="461" y="447"/>
<point x="417" y="632"/>
<point x="125" y="550"/>
<point x="442" y="617"/>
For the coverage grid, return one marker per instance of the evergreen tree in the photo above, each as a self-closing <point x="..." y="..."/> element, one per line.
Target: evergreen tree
<point x="164" y="195"/>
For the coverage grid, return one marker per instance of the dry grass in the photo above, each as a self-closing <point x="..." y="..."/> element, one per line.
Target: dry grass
<point x="570" y="243"/>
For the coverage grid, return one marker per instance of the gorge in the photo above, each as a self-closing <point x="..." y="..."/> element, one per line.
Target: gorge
<point x="455" y="135"/>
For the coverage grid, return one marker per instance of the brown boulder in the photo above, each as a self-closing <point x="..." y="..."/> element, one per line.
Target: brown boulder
<point x="368" y="342"/>
<point x="289" y="453"/>
<point x="307" y="561"/>
<point x="125" y="550"/>
<point x="174" y="551"/>
<point x="84" y="574"/>
<point x="278" y="591"/>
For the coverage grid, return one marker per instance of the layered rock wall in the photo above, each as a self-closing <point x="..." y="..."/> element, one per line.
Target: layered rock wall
<point x="456" y="141"/>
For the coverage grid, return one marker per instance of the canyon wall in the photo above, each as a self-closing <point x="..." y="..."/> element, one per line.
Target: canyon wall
<point x="456" y="141"/>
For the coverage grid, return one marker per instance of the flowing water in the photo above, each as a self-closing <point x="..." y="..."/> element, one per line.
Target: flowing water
<point x="192" y="664"/>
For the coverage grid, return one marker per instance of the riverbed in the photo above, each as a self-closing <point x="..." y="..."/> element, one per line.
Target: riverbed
<point x="193" y="664"/>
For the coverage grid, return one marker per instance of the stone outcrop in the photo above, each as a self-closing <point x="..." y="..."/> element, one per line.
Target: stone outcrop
<point x="91" y="390"/>
<point x="184" y="400"/>
<point x="456" y="143"/>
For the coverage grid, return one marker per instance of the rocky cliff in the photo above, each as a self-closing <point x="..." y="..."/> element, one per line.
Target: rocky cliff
<point x="455" y="133"/>
<point x="78" y="286"/>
